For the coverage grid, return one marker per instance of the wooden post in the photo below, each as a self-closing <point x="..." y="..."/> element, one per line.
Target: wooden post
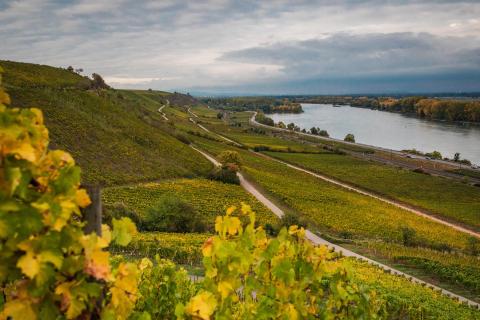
<point x="93" y="213"/>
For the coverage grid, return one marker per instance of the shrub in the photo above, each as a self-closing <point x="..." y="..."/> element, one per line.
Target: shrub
<point x="434" y="155"/>
<point x="171" y="214"/>
<point x="224" y="174"/>
<point x="408" y="236"/>
<point x="349" y="138"/>
<point x="119" y="210"/>
<point x="230" y="157"/>
<point x="98" y="82"/>
<point x="183" y="138"/>
<point x="290" y="219"/>
<point x="473" y="246"/>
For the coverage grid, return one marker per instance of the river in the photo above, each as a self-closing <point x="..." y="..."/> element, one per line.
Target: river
<point x="390" y="130"/>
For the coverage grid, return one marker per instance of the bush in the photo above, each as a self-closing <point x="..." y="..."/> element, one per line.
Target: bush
<point x="473" y="246"/>
<point x="349" y="138"/>
<point x="171" y="214"/>
<point x="119" y="210"/>
<point x="290" y="219"/>
<point x="224" y="174"/>
<point x="183" y="138"/>
<point x="408" y="236"/>
<point x="230" y="157"/>
<point x="98" y="82"/>
<point x="434" y="155"/>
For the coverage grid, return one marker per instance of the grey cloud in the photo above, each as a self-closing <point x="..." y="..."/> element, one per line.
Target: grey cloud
<point x="356" y="54"/>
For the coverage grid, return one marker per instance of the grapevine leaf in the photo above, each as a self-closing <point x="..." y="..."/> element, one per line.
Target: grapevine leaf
<point x="29" y="265"/>
<point x="123" y="231"/>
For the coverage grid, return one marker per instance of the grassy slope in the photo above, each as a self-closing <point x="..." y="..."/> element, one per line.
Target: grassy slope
<point x="115" y="136"/>
<point x="445" y="197"/>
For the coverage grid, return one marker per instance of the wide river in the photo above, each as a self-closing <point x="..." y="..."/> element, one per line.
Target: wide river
<point x="389" y="130"/>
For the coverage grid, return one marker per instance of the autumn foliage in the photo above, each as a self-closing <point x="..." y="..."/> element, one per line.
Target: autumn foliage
<point x="49" y="268"/>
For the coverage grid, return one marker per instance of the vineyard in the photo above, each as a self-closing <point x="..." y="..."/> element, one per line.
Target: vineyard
<point x="337" y="211"/>
<point x="451" y="199"/>
<point x="209" y="198"/>
<point x="182" y="248"/>
<point x="251" y="267"/>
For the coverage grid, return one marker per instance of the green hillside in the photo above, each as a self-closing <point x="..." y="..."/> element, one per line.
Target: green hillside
<point x="116" y="136"/>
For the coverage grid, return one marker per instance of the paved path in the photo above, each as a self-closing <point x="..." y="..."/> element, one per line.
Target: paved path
<point x="163" y="113"/>
<point x="372" y="195"/>
<point x="320" y="241"/>
<point x="206" y="130"/>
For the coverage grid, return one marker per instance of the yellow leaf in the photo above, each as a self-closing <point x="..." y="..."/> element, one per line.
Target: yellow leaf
<point x="207" y="247"/>
<point x="18" y="309"/>
<point x="25" y="151"/>
<point x="144" y="264"/>
<point x="225" y="288"/>
<point x="231" y="210"/>
<point x="29" y="265"/>
<point x="52" y="257"/>
<point x="97" y="264"/>
<point x="82" y="199"/>
<point x="202" y="305"/>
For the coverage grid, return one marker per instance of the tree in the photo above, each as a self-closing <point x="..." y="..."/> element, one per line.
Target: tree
<point x="291" y="126"/>
<point x="323" y="133"/>
<point x="281" y="125"/>
<point x="350" y="138"/>
<point x="434" y="155"/>
<point x="220" y="115"/>
<point x="230" y="157"/>
<point x="456" y="157"/>
<point x="98" y="82"/>
<point x="171" y="214"/>
<point x="70" y="68"/>
<point x="314" y="131"/>
<point x="79" y="70"/>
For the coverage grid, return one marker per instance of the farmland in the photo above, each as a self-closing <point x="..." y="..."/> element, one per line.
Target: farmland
<point x="209" y="198"/>
<point x="447" y="198"/>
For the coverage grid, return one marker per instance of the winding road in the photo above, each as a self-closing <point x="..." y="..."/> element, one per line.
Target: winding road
<point x="315" y="239"/>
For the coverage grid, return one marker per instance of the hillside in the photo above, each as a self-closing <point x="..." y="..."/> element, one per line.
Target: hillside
<point x="116" y="136"/>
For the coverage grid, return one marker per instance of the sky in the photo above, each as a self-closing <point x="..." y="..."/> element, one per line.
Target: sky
<point x="253" y="47"/>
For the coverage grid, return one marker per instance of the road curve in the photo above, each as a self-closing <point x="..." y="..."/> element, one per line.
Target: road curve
<point x="315" y="239"/>
<point x="163" y="113"/>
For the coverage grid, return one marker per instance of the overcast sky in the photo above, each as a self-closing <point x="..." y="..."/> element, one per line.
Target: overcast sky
<point x="253" y="47"/>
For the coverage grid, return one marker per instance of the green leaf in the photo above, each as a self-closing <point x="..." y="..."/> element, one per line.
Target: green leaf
<point x="123" y="231"/>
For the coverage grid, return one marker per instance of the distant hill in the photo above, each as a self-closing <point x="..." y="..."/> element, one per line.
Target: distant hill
<point x="116" y="136"/>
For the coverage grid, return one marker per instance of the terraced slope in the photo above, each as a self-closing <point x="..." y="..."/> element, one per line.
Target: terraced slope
<point x="116" y="136"/>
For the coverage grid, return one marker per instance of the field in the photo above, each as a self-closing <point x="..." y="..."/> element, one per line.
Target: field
<point x="210" y="198"/>
<point x="459" y="270"/>
<point x="115" y="136"/>
<point x="337" y="211"/>
<point x="456" y="201"/>
<point x="183" y="248"/>
<point x="406" y="300"/>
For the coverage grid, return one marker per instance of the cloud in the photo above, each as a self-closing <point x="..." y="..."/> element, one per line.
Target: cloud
<point x="184" y="44"/>
<point x="346" y="54"/>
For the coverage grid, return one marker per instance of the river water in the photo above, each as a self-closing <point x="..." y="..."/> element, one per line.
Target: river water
<point x="390" y="130"/>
